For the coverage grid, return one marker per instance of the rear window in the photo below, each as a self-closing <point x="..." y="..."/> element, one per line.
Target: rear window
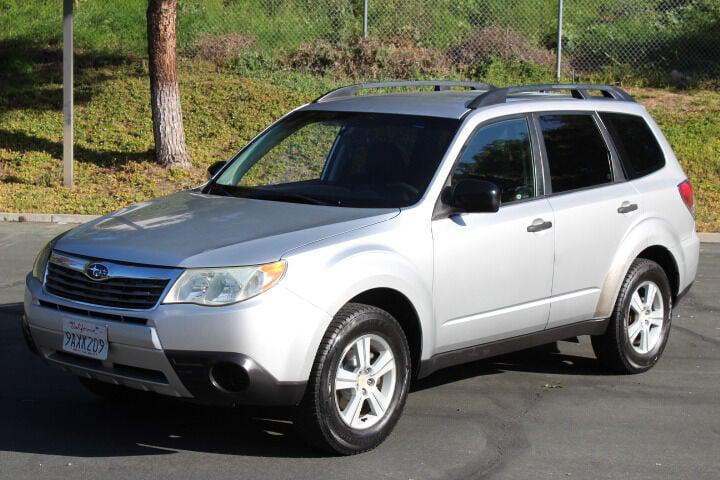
<point x="636" y="144"/>
<point x="576" y="152"/>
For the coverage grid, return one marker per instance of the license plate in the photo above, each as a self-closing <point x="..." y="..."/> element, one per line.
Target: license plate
<point x="85" y="338"/>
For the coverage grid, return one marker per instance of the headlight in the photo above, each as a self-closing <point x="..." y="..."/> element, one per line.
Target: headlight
<point x="222" y="286"/>
<point x="41" y="261"/>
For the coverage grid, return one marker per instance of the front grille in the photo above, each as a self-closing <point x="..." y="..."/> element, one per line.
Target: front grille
<point x="136" y="293"/>
<point x="93" y="314"/>
<point x="128" y="371"/>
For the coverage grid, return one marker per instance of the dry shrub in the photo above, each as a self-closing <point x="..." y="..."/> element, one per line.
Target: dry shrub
<point x="319" y="57"/>
<point x="407" y="61"/>
<point x="368" y="58"/>
<point x="221" y="48"/>
<point x="496" y="42"/>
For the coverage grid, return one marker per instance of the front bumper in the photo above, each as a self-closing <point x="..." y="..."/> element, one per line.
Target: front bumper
<point x="231" y="378"/>
<point x="258" y="352"/>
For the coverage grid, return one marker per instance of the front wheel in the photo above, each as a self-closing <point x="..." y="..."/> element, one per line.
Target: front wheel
<point x="640" y="324"/>
<point x="359" y="382"/>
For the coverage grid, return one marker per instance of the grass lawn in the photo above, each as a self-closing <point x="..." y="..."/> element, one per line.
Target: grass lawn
<point x="222" y="111"/>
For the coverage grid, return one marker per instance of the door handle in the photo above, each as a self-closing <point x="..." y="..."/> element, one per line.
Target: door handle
<point x="627" y="207"/>
<point x="539" y="225"/>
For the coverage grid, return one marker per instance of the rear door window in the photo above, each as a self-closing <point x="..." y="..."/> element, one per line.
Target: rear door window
<point x="636" y="144"/>
<point x="576" y="151"/>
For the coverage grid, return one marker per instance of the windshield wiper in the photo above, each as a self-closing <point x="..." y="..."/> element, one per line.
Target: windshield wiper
<point x="262" y="194"/>
<point x="223" y="190"/>
<point x="291" y="197"/>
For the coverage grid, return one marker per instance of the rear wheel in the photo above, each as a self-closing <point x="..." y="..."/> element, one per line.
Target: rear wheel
<point x="640" y="324"/>
<point x="359" y="382"/>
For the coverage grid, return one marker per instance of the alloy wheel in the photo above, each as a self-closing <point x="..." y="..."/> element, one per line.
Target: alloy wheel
<point x="364" y="382"/>
<point x="645" y="317"/>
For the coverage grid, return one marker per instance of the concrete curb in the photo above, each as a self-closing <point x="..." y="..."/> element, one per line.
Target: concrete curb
<point x="705" y="237"/>
<point x="709" y="237"/>
<point x="46" y="217"/>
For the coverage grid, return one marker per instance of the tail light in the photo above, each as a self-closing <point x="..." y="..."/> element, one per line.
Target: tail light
<point x="688" y="195"/>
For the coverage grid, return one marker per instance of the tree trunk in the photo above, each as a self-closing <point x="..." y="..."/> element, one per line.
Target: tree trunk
<point x="170" y="150"/>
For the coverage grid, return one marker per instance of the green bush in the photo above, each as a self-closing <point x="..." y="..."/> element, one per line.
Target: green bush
<point x="503" y="71"/>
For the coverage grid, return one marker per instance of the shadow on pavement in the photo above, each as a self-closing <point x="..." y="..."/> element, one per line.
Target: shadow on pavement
<point x="542" y="359"/>
<point x="45" y="411"/>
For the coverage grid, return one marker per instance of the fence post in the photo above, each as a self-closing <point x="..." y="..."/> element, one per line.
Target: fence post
<point x="365" y="19"/>
<point x="68" y="93"/>
<point x="559" y="40"/>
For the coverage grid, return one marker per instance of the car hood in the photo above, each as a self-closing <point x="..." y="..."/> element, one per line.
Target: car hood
<point x="191" y="229"/>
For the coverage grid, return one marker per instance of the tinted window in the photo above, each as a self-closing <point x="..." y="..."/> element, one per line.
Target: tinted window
<point x="576" y="152"/>
<point x="344" y="159"/>
<point x="637" y="146"/>
<point x="500" y="153"/>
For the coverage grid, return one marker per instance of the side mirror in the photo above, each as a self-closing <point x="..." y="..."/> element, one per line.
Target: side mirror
<point x="215" y="168"/>
<point x="473" y="196"/>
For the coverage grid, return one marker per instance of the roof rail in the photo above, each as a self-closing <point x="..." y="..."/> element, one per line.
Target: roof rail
<point x="579" y="90"/>
<point x="438" y="85"/>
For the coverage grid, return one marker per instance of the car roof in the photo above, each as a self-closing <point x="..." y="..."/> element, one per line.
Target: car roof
<point x="446" y="104"/>
<point x="454" y="103"/>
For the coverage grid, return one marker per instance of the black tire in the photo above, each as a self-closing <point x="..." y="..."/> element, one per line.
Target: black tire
<point x="318" y="420"/>
<point x="614" y="349"/>
<point x="112" y="393"/>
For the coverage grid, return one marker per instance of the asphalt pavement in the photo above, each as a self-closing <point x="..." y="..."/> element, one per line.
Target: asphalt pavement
<point x="544" y="413"/>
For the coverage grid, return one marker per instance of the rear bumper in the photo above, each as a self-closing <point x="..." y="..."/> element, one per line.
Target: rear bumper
<point x="258" y="352"/>
<point x="688" y="255"/>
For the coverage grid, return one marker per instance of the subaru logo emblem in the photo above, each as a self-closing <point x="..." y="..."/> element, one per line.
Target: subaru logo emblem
<point x="96" y="271"/>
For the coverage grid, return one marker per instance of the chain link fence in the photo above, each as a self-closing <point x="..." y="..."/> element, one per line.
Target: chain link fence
<point x="643" y="37"/>
<point x="681" y="36"/>
<point x="372" y="38"/>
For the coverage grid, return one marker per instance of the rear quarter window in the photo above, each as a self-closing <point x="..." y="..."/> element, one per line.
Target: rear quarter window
<point x="636" y="144"/>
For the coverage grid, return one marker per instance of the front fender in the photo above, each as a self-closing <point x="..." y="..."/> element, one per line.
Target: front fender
<point x="330" y="281"/>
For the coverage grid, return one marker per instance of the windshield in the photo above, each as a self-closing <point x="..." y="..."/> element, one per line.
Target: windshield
<point x="345" y="159"/>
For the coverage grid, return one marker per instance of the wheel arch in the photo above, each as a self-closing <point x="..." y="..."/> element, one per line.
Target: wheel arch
<point x="399" y="306"/>
<point x="652" y="239"/>
<point x="378" y="276"/>
<point x="664" y="257"/>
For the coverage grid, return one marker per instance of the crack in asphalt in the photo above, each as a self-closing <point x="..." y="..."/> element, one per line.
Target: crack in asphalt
<point x="504" y="438"/>
<point x="694" y="334"/>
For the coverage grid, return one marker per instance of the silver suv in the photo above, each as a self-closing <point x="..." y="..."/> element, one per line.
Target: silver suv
<point x="362" y="241"/>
